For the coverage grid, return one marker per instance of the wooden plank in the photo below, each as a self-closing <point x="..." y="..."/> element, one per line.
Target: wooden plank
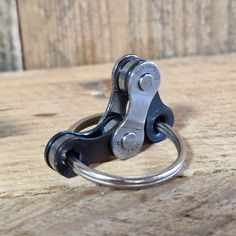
<point x="190" y="22"/>
<point x="68" y="33"/>
<point x="220" y="24"/>
<point x="35" y="200"/>
<point x="168" y="29"/>
<point x="179" y="28"/>
<point x="10" y="46"/>
<point x="232" y="22"/>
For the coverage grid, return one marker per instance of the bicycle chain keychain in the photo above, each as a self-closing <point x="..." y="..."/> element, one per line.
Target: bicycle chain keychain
<point x="134" y="114"/>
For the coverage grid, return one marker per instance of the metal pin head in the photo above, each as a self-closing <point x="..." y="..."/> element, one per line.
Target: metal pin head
<point x="129" y="140"/>
<point x="145" y="82"/>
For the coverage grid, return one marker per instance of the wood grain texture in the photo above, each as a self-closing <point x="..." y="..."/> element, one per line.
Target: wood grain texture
<point x="35" y="200"/>
<point x="67" y="33"/>
<point x="10" y="45"/>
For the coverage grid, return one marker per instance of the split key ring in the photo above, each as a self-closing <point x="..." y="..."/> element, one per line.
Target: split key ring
<point x="126" y="181"/>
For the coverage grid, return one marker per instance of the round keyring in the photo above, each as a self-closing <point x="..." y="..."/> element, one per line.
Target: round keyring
<point x="128" y="181"/>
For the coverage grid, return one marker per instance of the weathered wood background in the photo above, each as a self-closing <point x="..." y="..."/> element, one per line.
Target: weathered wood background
<point x="55" y="33"/>
<point x="10" y="43"/>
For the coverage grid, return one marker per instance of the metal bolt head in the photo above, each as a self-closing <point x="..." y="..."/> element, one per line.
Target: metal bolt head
<point x="145" y="82"/>
<point x="129" y="140"/>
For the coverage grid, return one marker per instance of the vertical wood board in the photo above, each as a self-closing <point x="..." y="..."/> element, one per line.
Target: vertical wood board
<point x="67" y="33"/>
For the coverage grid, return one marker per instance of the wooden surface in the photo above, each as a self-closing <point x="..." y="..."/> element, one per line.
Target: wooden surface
<point x="66" y="33"/>
<point x="10" y="45"/>
<point x="35" y="200"/>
